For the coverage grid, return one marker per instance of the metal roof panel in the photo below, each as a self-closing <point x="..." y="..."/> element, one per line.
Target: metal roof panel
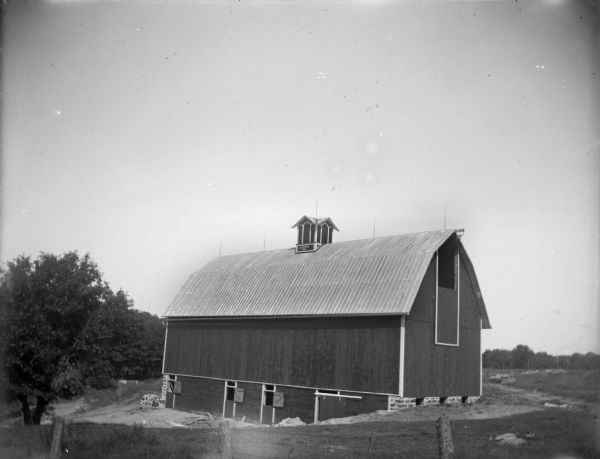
<point x="371" y="276"/>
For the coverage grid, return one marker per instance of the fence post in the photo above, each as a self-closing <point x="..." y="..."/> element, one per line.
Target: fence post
<point x="57" y="432"/>
<point x="225" y="440"/>
<point x="444" y="437"/>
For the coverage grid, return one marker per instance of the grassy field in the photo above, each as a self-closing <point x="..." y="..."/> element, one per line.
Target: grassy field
<point x="575" y="384"/>
<point x="578" y="384"/>
<point x="549" y="433"/>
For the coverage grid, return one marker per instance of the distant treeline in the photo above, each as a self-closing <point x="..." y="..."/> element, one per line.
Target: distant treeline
<point x="524" y="357"/>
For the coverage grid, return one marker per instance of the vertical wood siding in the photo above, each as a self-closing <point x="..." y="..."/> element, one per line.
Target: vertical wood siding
<point x="343" y="353"/>
<point x="447" y="316"/>
<point x="437" y="370"/>
<point x="204" y="394"/>
<point x="368" y="404"/>
<point x="299" y="402"/>
<point x="250" y="408"/>
<point x="200" y="394"/>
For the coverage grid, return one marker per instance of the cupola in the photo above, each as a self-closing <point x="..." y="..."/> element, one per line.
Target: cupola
<point x="314" y="232"/>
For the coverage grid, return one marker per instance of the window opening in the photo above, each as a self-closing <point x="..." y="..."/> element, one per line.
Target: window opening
<point x="269" y="398"/>
<point x="305" y="233"/>
<point x="325" y="234"/>
<point x="231" y="385"/>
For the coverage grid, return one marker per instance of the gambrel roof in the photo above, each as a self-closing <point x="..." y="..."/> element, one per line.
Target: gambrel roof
<point x="364" y="277"/>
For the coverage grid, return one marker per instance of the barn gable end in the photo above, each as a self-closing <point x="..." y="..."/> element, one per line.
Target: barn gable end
<point x="445" y="370"/>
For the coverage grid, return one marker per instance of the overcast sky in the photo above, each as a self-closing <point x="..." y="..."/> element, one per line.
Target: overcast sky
<point x="149" y="134"/>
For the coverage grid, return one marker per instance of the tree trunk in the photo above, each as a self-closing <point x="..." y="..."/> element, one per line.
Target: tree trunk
<point x="25" y="409"/>
<point x="40" y="407"/>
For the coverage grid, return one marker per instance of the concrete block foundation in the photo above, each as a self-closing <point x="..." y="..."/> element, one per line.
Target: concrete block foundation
<point x="401" y="403"/>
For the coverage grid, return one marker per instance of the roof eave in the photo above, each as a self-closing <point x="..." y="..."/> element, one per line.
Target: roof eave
<point x="284" y="316"/>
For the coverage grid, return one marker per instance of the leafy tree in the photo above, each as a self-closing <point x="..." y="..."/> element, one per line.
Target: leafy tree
<point x="45" y="305"/>
<point x="522" y="356"/>
<point x="132" y="341"/>
<point x="497" y="358"/>
<point x="543" y="360"/>
<point x="63" y="328"/>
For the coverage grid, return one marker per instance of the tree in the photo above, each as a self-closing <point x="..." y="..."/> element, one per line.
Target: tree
<point x="63" y="328"/>
<point x="497" y="358"/>
<point x="522" y="356"/>
<point x="45" y="305"/>
<point x="132" y="341"/>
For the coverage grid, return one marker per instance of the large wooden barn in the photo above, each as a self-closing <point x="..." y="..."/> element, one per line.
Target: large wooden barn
<point x="327" y="329"/>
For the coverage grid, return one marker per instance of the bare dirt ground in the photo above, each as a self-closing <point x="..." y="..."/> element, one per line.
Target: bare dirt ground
<point x="499" y="400"/>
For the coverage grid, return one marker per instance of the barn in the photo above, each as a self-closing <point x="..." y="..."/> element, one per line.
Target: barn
<point x="326" y="329"/>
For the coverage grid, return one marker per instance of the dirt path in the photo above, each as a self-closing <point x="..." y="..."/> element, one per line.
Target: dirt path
<point x="122" y="406"/>
<point x="499" y="400"/>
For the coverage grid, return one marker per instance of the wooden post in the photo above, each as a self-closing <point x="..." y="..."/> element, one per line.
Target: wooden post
<point x="225" y="440"/>
<point x="55" y="448"/>
<point x="444" y="437"/>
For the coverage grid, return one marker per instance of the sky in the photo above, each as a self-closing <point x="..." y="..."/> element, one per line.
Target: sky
<point x="154" y="135"/>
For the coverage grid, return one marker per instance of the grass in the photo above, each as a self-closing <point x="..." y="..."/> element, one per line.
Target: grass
<point x="579" y="384"/>
<point x="549" y="433"/>
<point x="123" y="393"/>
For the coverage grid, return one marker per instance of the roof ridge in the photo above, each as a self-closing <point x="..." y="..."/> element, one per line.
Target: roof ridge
<point x="334" y="243"/>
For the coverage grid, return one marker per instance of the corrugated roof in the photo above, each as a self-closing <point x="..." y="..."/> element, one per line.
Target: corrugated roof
<point x="371" y="276"/>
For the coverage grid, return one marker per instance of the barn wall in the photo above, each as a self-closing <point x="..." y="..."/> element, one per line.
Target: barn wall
<point x="250" y="408"/>
<point x="200" y="394"/>
<point x="368" y="404"/>
<point x="298" y="402"/>
<point x="342" y="353"/>
<point x="205" y="394"/>
<point x="438" y="370"/>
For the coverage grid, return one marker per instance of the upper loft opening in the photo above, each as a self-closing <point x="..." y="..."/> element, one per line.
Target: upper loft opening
<point x="313" y="232"/>
<point x="448" y="264"/>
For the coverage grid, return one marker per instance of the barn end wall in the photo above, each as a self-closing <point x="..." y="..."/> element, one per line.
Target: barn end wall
<point x="435" y="369"/>
<point x="341" y="353"/>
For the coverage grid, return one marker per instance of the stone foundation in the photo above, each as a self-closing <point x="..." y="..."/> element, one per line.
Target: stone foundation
<point x="152" y="401"/>
<point x="401" y="403"/>
<point x="163" y="390"/>
<point x="431" y="401"/>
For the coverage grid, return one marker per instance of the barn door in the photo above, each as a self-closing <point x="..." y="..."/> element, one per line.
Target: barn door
<point x="331" y="407"/>
<point x="268" y="408"/>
